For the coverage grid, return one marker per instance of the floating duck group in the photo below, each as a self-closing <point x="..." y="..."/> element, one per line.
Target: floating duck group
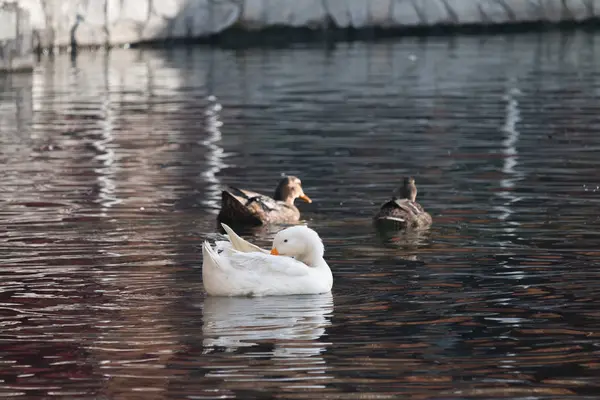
<point x="295" y="263"/>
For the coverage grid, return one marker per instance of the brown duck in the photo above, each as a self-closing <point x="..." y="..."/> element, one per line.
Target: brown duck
<point x="403" y="212"/>
<point x="243" y="207"/>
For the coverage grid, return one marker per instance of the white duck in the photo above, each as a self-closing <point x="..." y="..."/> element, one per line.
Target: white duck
<point x="295" y="265"/>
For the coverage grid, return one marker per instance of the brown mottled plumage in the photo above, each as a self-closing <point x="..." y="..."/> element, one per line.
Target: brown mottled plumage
<point x="403" y="212"/>
<point x="243" y="207"/>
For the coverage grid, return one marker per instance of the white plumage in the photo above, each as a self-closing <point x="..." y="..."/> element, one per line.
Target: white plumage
<point x="294" y="266"/>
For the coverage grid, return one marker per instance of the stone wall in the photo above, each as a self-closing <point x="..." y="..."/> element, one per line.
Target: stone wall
<point x="115" y="22"/>
<point x="16" y="53"/>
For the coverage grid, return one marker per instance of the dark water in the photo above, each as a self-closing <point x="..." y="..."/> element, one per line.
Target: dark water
<point x="111" y="169"/>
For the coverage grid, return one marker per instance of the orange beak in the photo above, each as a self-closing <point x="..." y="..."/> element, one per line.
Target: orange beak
<point x="305" y="198"/>
<point x="274" y="252"/>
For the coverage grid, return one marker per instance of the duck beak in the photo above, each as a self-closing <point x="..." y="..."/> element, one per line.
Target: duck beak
<point x="274" y="252"/>
<point x="305" y="198"/>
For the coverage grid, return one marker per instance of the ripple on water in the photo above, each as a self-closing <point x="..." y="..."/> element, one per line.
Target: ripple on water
<point x="113" y="165"/>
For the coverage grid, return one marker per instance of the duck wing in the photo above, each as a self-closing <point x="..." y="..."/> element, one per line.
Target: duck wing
<point x="400" y="211"/>
<point x="408" y="206"/>
<point x="247" y="194"/>
<point x="233" y="208"/>
<point x="258" y="266"/>
<point x="403" y="213"/>
<point x="247" y="197"/>
<point x="248" y="271"/>
<point x="239" y="244"/>
<point x="266" y="203"/>
<point x="259" y="274"/>
<point x="274" y="211"/>
<point x="244" y="207"/>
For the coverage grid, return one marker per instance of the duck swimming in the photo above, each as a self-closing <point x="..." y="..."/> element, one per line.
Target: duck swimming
<point x="295" y="265"/>
<point x="403" y="212"/>
<point x="244" y="207"/>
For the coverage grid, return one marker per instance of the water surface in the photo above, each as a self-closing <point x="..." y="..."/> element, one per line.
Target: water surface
<point x="112" y="169"/>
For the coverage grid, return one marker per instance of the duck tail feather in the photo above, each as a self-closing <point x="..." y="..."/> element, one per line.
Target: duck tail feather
<point x="240" y="244"/>
<point x="237" y="192"/>
<point x="209" y="253"/>
<point x="232" y="209"/>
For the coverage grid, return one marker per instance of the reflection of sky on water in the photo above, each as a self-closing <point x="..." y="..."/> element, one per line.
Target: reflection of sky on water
<point x="106" y="173"/>
<point x="510" y="160"/>
<point x="215" y="155"/>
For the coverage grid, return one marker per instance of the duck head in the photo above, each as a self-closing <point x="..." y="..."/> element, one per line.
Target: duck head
<point x="299" y="242"/>
<point x="290" y="189"/>
<point x="409" y="189"/>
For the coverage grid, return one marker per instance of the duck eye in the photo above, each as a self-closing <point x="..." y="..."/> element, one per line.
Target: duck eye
<point x="285" y="241"/>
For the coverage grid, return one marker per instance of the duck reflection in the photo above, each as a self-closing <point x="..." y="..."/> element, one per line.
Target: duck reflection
<point x="408" y="240"/>
<point x="292" y="324"/>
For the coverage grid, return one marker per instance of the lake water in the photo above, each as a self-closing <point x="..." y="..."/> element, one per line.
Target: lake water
<point x="112" y="165"/>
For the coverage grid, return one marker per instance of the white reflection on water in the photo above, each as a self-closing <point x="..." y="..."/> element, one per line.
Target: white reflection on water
<point x="286" y="329"/>
<point x="215" y="155"/>
<point x="106" y="174"/>
<point x="511" y="159"/>
<point x="292" y="325"/>
<point x="234" y="322"/>
<point x="511" y="175"/>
